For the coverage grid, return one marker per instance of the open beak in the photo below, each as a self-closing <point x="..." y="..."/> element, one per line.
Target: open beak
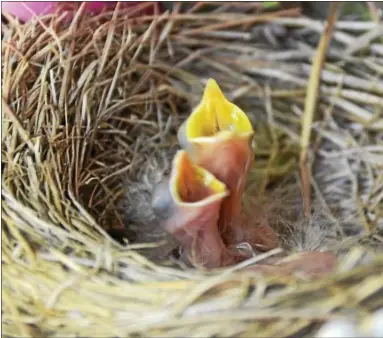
<point x="217" y="135"/>
<point x="188" y="206"/>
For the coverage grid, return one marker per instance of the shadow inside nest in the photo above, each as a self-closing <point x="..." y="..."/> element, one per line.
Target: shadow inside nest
<point x="272" y="197"/>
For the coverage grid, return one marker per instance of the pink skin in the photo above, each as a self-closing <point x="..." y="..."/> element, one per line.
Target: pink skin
<point x="256" y="232"/>
<point x="196" y="229"/>
<point x="230" y="161"/>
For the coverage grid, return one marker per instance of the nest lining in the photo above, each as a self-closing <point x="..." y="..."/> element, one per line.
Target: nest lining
<point x="90" y="114"/>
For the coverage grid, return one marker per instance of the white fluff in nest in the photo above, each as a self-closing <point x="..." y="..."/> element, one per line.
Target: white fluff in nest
<point x="282" y="208"/>
<point x="313" y="234"/>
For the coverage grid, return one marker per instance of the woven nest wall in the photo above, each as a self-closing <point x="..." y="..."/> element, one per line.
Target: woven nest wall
<point x="91" y="108"/>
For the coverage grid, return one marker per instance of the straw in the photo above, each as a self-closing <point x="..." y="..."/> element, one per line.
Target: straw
<point x="90" y="115"/>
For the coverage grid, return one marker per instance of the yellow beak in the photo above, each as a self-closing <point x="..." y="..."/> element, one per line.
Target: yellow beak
<point x="217" y="135"/>
<point x="188" y="207"/>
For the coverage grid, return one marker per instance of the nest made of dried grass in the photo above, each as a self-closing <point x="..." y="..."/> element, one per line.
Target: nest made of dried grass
<point x="88" y="103"/>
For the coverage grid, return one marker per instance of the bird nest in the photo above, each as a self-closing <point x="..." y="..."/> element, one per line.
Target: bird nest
<point x="91" y="108"/>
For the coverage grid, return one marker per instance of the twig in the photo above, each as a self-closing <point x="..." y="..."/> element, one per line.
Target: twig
<point x="310" y="104"/>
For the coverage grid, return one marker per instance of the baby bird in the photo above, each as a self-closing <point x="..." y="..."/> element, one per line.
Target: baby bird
<point x="217" y="135"/>
<point x="188" y="206"/>
<point x="202" y="204"/>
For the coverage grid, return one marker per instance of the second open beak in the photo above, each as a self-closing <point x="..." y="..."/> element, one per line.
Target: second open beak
<point x="218" y="135"/>
<point x="188" y="206"/>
